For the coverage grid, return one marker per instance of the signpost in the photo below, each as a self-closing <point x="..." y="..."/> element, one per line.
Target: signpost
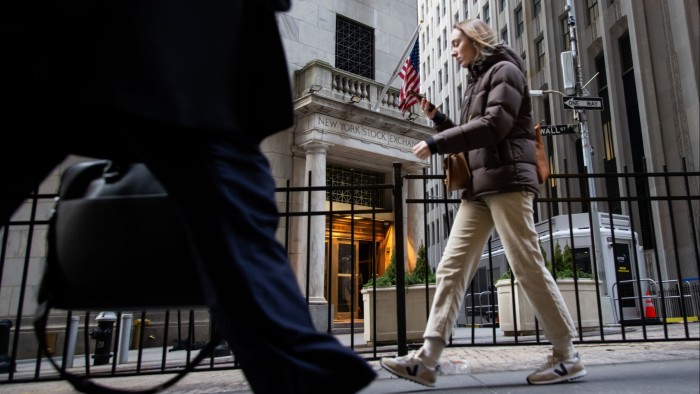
<point x="558" y="129"/>
<point x="594" y="103"/>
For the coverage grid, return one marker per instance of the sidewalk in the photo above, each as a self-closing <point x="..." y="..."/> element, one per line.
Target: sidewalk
<point x="640" y="367"/>
<point x="496" y="369"/>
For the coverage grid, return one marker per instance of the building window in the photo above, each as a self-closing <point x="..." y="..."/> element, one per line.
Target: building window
<point x="520" y="27"/>
<point x="536" y="8"/>
<point x="446" y="107"/>
<point x="592" y="8"/>
<point x="567" y="34"/>
<point x="447" y="226"/>
<point x="440" y="79"/>
<point x="459" y="96"/>
<point x="444" y="38"/>
<point x="540" y="54"/>
<point x="456" y="17"/>
<point x="465" y="7"/>
<point x="501" y="5"/>
<point x="504" y="35"/>
<point x="340" y="176"/>
<point x="354" y="47"/>
<point x="437" y="14"/>
<point x="487" y="13"/>
<point x="439" y="46"/>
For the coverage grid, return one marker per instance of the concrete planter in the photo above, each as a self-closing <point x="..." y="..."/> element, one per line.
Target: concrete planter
<point x="416" y="317"/>
<point x="526" y="315"/>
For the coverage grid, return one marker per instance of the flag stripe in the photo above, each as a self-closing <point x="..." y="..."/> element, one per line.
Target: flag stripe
<point x="411" y="79"/>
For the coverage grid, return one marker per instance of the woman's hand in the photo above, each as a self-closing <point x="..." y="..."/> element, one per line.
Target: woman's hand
<point x="421" y="149"/>
<point x="428" y="108"/>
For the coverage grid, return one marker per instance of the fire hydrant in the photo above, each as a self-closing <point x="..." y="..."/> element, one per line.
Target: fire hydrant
<point x="103" y="337"/>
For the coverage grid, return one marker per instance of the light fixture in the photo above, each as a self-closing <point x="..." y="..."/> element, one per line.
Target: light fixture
<point x="355" y="98"/>
<point x="412" y="116"/>
<point x="315" y="88"/>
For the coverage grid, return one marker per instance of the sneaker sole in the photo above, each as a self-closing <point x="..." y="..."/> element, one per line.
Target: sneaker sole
<point x="407" y="377"/>
<point x="571" y="378"/>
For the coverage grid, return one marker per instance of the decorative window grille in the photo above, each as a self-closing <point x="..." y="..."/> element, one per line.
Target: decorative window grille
<point x="338" y="176"/>
<point x="354" y="47"/>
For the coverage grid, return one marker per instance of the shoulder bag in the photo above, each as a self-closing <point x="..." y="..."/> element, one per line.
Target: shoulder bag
<point x="457" y="173"/>
<point x="115" y="242"/>
<point x="541" y="156"/>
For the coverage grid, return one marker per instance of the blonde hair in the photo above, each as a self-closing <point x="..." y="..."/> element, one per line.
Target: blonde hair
<point x="480" y="33"/>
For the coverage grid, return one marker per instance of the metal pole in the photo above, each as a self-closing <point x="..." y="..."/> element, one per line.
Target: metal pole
<point x="580" y="118"/>
<point x="125" y="338"/>
<point x="72" y="340"/>
<point x="400" y="264"/>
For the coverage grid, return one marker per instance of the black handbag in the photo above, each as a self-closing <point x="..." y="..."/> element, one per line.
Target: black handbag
<point x="115" y="242"/>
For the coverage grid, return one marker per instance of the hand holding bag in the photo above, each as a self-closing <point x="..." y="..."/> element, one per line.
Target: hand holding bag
<point x="457" y="173"/>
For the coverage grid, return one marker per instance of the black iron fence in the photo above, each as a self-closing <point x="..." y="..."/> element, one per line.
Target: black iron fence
<point x="639" y="292"/>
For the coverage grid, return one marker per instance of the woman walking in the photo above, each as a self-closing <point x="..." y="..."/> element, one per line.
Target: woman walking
<point x="497" y="136"/>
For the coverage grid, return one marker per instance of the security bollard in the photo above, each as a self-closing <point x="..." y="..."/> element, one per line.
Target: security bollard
<point x="103" y="337"/>
<point x="6" y="364"/>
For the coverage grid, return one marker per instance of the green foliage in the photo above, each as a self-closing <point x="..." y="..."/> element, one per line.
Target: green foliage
<point x="563" y="264"/>
<point x="417" y="276"/>
<point x="421" y="271"/>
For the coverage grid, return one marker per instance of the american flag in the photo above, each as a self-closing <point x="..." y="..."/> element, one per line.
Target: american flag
<point x="411" y="79"/>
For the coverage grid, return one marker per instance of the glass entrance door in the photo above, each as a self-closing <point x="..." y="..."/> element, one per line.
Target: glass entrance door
<point x="346" y="298"/>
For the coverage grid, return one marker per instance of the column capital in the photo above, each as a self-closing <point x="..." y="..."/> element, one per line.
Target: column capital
<point x="315" y="147"/>
<point x="415" y="168"/>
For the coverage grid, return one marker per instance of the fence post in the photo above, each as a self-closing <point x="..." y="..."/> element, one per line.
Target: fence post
<point x="400" y="261"/>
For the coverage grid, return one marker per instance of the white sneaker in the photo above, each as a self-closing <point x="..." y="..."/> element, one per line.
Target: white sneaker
<point x="411" y="367"/>
<point x="556" y="371"/>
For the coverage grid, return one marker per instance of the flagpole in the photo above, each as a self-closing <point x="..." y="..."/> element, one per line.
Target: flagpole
<point x="398" y="67"/>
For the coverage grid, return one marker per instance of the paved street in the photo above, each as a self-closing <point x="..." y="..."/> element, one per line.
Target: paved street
<point x="637" y="367"/>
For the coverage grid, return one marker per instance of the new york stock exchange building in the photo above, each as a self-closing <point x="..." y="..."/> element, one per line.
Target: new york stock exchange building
<point x="343" y="137"/>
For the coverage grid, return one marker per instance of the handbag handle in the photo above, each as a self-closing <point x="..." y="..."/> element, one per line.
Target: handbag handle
<point x="85" y="385"/>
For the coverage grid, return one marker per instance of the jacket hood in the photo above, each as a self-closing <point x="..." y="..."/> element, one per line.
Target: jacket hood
<point x="500" y="52"/>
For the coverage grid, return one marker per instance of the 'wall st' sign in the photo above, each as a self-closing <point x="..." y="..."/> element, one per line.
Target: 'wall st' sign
<point x="558" y="129"/>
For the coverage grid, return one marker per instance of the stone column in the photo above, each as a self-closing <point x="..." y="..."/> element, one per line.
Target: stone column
<point x="415" y="223"/>
<point x="316" y="164"/>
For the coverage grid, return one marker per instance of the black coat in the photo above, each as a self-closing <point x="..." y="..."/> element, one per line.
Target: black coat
<point x="214" y="64"/>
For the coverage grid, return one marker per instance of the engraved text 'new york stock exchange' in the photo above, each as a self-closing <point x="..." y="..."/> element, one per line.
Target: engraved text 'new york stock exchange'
<point x="364" y="133"/>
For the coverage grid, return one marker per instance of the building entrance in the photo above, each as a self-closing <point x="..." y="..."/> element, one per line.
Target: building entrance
<point x="352" y="260"/>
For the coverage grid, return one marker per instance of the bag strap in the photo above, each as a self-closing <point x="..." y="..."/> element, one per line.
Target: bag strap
<point x="85" y="385"/>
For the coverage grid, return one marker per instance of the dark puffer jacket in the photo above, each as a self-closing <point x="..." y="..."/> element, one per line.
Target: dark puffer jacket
<point x="496" y="130"/>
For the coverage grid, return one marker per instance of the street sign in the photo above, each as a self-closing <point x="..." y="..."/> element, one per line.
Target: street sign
<point x="594" y="103"/>
<point x="558" y="129"/>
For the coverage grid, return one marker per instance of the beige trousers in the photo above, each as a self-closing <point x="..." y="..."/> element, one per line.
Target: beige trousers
<point x="512" y="216"/>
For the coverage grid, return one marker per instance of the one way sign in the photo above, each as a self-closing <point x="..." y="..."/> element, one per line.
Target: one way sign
<point x="594" y="103"/>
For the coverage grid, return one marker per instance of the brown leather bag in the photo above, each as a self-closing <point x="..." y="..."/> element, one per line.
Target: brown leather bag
<point x="457" y="173"/>
<point x="541" y="156"/>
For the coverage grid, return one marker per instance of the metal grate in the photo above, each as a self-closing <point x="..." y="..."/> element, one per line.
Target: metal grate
<point x="354" y="47"/>
<point x="337" y="176"/>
